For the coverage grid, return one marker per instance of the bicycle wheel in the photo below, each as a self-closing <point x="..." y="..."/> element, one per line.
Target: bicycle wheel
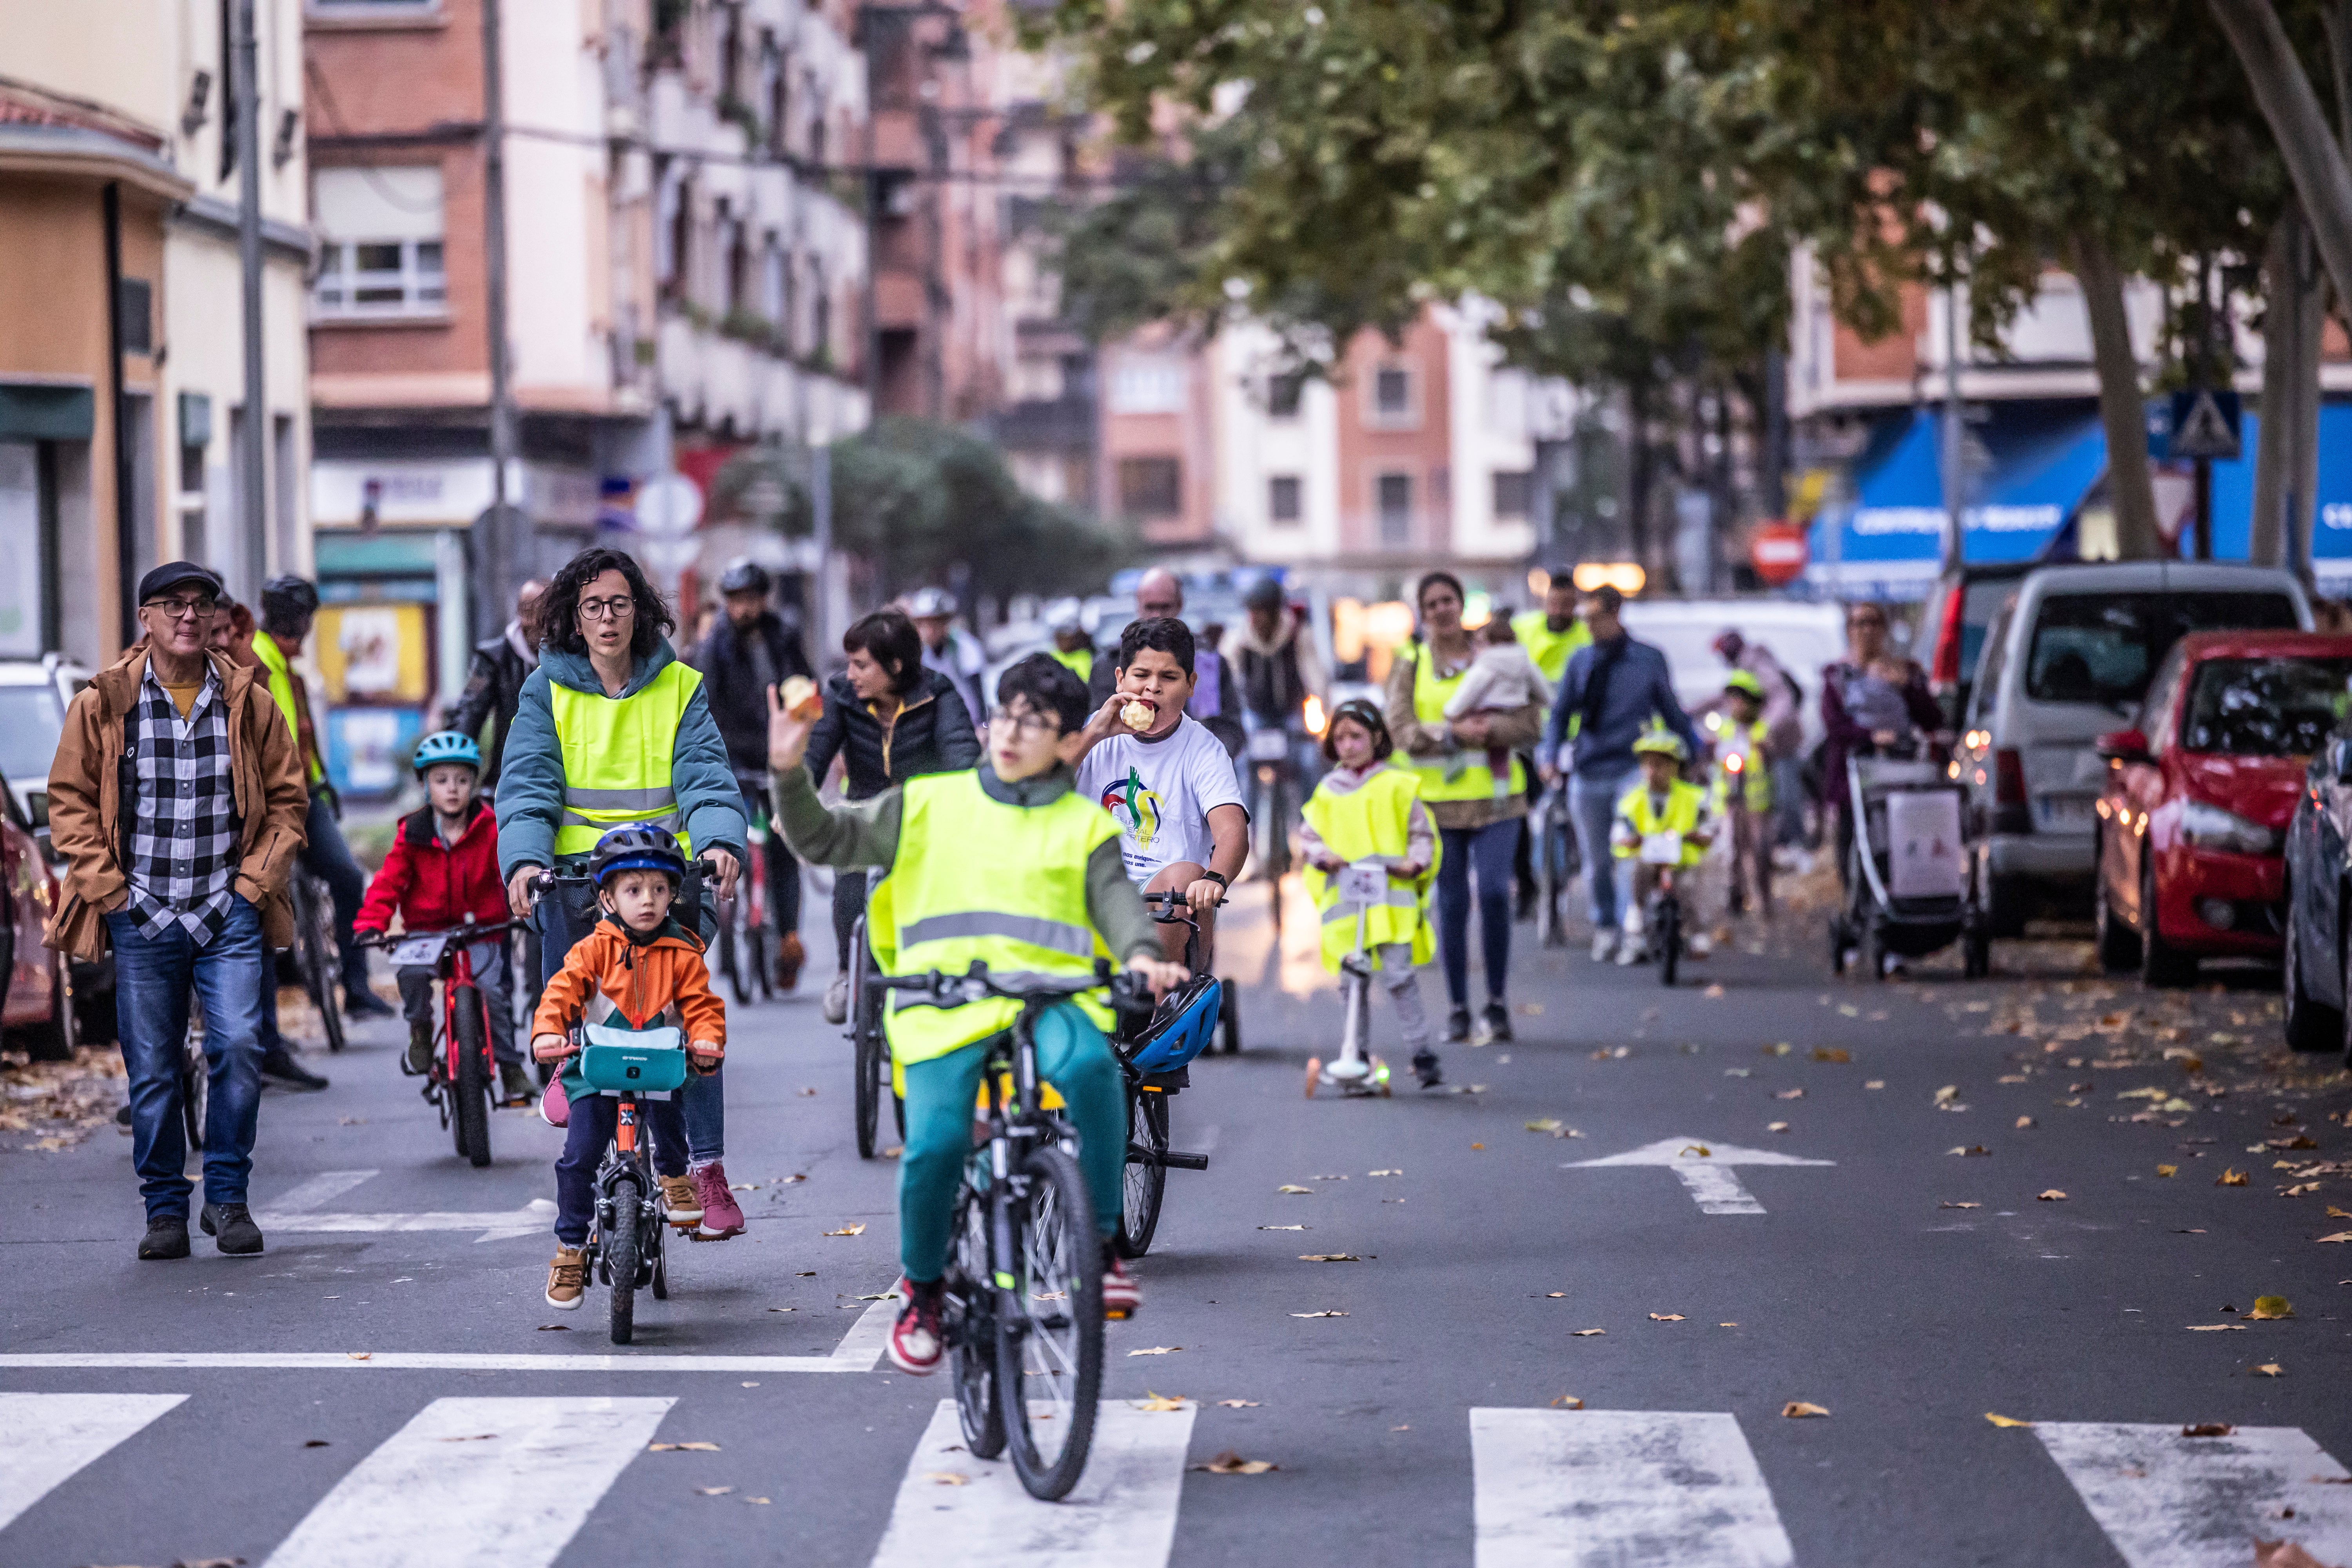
<point x="731" y="956"/>
<point x="969" y="1325"/>
<point x="1670" y="939"/>
<point x="195" y="1082"/>
<point x="1228" y="1018"/>
<point x="1052" y="1358"/>
<point x="472" y="1122"/>
<point x="1550" y="858"/>
<point x="870" y="1061"/>
<point x="622" y="1250"/>
<point x="314" y="955"/>
<point x="654" y="1239"/>
<point x="1145" y="1180"/>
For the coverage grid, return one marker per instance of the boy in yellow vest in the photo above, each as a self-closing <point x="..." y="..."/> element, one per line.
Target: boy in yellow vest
<point x="1365" y="808"/>
<point x="1007" y="865"/>
<point x="1661" y="803"/>
<point x="1743" y="789"/>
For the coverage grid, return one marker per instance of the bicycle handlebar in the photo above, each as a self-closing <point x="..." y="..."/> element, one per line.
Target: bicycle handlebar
<point x="549" y="879"/>
<point x="471" y="930"/>
<point x="942" y="990"/>
<point x="1174" y="907"/>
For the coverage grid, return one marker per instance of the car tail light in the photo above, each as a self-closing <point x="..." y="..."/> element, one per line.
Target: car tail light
<point x="2009" y="777"/>
<point x="1946" y="671"/>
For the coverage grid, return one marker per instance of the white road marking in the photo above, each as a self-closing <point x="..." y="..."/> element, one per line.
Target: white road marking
<point x="476" y="1483"/>
<point x="859" y="1351"/>
<point x="1709" y="1178"/>
<point x="45" y="1439"/>
<point x="2170" y="1502"/>
<point x="320" y="1190"/>
<point x="536" y="1217"/>
<point x="1122" y="1514"/>
<point x="1620" y="1489"/>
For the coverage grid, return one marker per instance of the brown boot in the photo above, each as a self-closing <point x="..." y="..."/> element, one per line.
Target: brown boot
<point x="567" y="1278"/>
<point x="681" y="1205"/>
<point x="790" y="956"/>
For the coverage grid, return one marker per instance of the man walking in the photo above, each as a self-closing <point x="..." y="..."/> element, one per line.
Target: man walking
<point x="945" y="648"/>
<point x="1616" y="688"/>
<point x="176" y="801"/>
<point x="750" y="649"/>
<point x="493" y="680"/>
<point x="288" y="607"/>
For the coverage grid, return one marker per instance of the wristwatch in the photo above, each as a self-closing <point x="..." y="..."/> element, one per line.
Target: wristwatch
<point x="1220" y="878"/>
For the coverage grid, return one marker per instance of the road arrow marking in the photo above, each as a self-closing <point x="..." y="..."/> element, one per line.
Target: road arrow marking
<point x="1704" y="1169"/>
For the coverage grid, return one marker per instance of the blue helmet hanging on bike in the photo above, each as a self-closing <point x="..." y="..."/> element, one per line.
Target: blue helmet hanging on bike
<point x="636" y="848"/>
<point x="446" y="746"/>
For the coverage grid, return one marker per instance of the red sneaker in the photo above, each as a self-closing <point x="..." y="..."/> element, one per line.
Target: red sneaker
<point x="1122" y="1298"/>
<point x="721" y="1215"/>
<point x="916" y="1343"/>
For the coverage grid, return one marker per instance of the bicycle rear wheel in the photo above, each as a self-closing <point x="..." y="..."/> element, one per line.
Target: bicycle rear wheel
<point x="314" y="955"/>
<point x="969" y="1322"/>
<point x="1052" y="1357"/>
<point x="730" y="955"/>
<point x="472" y="1122"/>
<point x="623" y="1250"/>
<point x="1145" y="1181"/>
<point x="871" y="1061"/>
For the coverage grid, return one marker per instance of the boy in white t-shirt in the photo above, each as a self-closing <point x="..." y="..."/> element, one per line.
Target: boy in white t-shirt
<point x="1165" y="780"/>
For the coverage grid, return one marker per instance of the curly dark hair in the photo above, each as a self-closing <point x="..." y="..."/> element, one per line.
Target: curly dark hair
<point x="559" y="611"/>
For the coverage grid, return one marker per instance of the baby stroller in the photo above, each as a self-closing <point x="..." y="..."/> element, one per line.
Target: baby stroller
<point x="1907" y="891"/>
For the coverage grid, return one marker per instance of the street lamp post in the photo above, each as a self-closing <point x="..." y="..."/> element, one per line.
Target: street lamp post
<point x="253" y="552"/>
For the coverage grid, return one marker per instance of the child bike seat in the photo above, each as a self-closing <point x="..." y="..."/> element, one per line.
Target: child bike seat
<point x="644" y="1061"/>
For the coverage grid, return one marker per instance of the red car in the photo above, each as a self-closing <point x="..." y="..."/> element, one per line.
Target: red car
<point x="2193" y="823"/>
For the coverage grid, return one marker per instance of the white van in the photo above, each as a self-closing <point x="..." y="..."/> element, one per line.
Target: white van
<point x="2067" y="659"/>
<point x="1804" y="635"/>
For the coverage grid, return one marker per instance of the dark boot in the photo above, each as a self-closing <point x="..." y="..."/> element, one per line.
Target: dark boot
<point x="233" y="1224"/>
<point x="359" y="1002"/>
<point x="167" y="1237"/>
<point x="1458" y="1026"/>
<point x="1495" y="1023"/>
<point x="279" y="1066"/>
<point x="1425" y="1068"/>
<point x="420" y="1048"/>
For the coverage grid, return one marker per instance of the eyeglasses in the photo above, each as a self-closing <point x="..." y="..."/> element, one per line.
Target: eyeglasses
<point x="620" y="607"/>
<point x="1025" y="724"/>
<point x="181" y="609"/>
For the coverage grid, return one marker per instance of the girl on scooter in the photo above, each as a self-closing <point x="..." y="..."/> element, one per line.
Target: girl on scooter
<point x="1367" y="807"/>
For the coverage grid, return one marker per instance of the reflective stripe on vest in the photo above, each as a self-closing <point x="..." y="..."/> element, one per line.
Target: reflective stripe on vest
<point x="1372" y="819"/>
<point x="1549" y="649"/>
<point x="976" y="878"/>
<point x="616" y="758"/>
<point x="1477" y="782"/>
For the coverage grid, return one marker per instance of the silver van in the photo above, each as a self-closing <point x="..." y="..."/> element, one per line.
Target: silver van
<point x="2067" y="659"/>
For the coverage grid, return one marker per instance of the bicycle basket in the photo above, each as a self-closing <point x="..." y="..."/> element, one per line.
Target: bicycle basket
<point x="646" y="1061"/>
<point x="1182" y="1027"/>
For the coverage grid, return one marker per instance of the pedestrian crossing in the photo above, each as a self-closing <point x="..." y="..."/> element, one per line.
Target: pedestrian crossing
<point x="473" y="1482"/>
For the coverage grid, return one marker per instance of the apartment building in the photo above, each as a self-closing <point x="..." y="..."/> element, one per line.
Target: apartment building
<point x="121" y="352"/>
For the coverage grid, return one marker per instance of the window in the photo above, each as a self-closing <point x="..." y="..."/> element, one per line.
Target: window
<point x="1394" y="492"/>
<point x="1392" y="397"/>
<point x="2263" y="706"/>
<point x="1513" y="494"/>
<point x="1282" y="498"/>
<point x="380" y="242"/>
<point x="1147" y="384"/>
<point x="1282" y="395"/>
<point x="1151" y="486"/>
<point x="2103" y="647"/>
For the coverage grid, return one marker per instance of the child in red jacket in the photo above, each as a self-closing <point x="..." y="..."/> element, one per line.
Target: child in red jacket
<point x="443" y="867"/>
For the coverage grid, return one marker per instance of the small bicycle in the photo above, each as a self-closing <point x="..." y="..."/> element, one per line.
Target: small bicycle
<point x="744" y="941"/>
<point x="624" y="1247"/>
<point x="1363" y="886"/>
<point x="1156" y="1046"/>
<point x="462" y="1083"/>
<point x="1665" y="914"/>
<point x="1551" y="843"/>
<point x="870" y="1047"/>
<point x="317" y="966"/>
<point x="1022" y="1316"/>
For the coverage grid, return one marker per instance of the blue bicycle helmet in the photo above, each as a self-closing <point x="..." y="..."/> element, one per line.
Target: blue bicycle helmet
<point x="446" y="746"/>
<point x="636" y="848"/>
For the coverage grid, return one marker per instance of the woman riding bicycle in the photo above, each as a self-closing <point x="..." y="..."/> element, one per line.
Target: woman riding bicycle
<point x="613" y="730"/>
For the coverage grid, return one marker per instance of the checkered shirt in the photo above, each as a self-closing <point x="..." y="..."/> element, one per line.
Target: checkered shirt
<point x="183" y="816"/>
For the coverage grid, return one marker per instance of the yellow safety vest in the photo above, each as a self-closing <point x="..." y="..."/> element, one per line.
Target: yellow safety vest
<point x="1080" y="663"/>
<point x="1477" y="780"/>
<point x="1548" y="648"/>
<point x="1371" y="820"/>
<point x="281" y="691"/>
<point x="1754" y="774"/>
<point x="616" y="758"/>
<point x="1684" y="802"/>
<point x="975" y="879"/>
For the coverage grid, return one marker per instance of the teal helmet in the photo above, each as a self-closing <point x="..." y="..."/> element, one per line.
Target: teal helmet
<point x="446" y="746"/>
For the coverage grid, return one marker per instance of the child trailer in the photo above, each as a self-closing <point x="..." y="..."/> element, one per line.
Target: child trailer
<point x="1908" y="892"/>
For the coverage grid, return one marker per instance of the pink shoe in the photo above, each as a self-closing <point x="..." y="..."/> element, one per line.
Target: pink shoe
<point x="555" y="1106"/>
<point x="721" y="1216"/>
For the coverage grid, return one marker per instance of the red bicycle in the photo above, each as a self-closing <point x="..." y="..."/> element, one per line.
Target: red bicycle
<point x="463" y="1081"/>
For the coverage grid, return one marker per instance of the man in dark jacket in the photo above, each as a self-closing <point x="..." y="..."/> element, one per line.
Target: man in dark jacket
<point x="749" y="649"/>
<point x="493" y="680"/>
<point x="888" y="717"/>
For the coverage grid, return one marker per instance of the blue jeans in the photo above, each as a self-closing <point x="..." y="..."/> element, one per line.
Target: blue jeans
<point x="327" y="857"/>
<point x="595" y="1118"/>
<point x="1484" y="852"/>
<point x="570" y="914"/>
<point x="1592" y="806"/>
<point x="154" y="978"/>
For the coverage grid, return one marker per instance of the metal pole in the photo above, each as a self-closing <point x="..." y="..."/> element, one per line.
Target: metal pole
<point x="506" y="531"/>
<point x="820" y="618"/>
<point x="126" y="516"/>
<point x="2205" y="379"/>
<point x="1955" y="537"/>
<point x="2204" y="535"/>
<point x="252" y="456"/>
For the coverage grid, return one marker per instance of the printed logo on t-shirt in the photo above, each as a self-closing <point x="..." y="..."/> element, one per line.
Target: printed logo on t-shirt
<point x="1135" y="807"/>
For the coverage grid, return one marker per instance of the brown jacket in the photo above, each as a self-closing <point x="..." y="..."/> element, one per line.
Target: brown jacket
<point x="86" y="805"/>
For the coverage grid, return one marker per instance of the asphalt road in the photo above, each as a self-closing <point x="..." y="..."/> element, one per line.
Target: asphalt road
<point x="1905" y="1288"/>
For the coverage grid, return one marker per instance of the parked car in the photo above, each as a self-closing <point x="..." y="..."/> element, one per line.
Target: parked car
<point x="34" y="696"/>
<point x="1959" y="611"/>
<point x="2192" y="824"/>
<point x="1805" y="636"/>
<point x="2065" y="659"/>
<point x="43" y="1001"/>
<point x="2318" y="893"/>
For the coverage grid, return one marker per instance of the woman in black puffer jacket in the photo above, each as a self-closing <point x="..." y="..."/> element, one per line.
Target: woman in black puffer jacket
<point x="888" y="719"/>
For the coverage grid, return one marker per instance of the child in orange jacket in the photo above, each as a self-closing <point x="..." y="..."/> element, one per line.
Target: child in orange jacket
<point x="641" y="967"/>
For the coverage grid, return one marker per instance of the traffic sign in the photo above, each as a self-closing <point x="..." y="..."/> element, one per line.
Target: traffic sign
<point x="668" y="506"/>
<point x="2204" y="425"/>
<point x="1779" y="552"/>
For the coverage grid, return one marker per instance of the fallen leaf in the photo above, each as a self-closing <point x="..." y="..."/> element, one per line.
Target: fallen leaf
<point x="2051" y="1196"/>
<point x="714" y="1491"/>
<point x="1798" y="1407"/>
<point x="1779" y="1050"/>
<point x="1282" y="1228"/>
<point x="783" y="1309"/>
<point x="2168" y="1170"/>
<point x="1297" y="1192"/>
<point x="1158" y="1350"/>
<point x="948" y="1477"/>
<point x="1946" y="1095"/>
<point x="1547" y="1124"/>
<point x="1585" y="1334"/>
<point x="469" y="1437"/>
<point x="1160" y="1402"/>
<point x="2269" y="1309"/>
<point x="2024" y="1121"/>
<point x="1971" y="1149"/>
<point x="1790" y="1094"/>
<point x="2335" y="1213"/>
<point x="1726" y="1325"/>
<point x="1568" y="1402"/>
<point x="760" y="1501"/>
<point x="1323" y="1314"/>
<point x="1960" y="1206"/>
<point x="2215" y="1328"/>
<point x="2229" y="1179"/>
<point x="1832" y="1054"/>
<point x="358" y="1355"/>
<point x="2271" y="1369"/>
<point x="1329" y="1257"/>
<point x="316" y="1443"/>
<point x="1701" y="1149"/>
<point x="1406" y="1428"/>
<point x="1232" y="1464"/>
<point x="1665" y="1317"/>
<point x="806" y="1093"/>
<point x="554" y="1328"/>
<point x="1776" y="1127"/>
<point x="2005" y="1420"/>
<point x="1712" y="992"/>
<point x="1239" y="1404"/>
<point x="1734" y="1072"/>
<point x="2339" y="1235"/>
<point x="1478" y="1145"/>
<point x="2208" y="1429"/>
<point x="1554" y="1295"/>
<point x="1399" y="1171"/>
<point x="858" y="1230"/>
<point x="1874" y="1083"/>
<point x="884" y="1295"/>
<point x="681" y="1447"/>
